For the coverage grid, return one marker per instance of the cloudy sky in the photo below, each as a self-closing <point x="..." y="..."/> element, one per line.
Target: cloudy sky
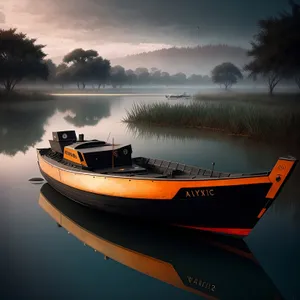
<point x="120" y="27"/>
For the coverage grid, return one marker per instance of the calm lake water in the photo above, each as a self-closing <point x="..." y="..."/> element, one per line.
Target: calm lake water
<point x="41" y="261"/>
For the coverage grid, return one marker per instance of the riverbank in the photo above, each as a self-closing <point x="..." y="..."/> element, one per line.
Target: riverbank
<point x="281" y="98"/>
<point x="256" y="120"/>
<point x="21" y="96"/>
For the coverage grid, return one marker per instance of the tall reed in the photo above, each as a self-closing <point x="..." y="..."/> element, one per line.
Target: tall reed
<point x="256" y="120"/>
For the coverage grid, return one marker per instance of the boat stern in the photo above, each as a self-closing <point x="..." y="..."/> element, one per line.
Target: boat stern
<point x="280" y="174"/>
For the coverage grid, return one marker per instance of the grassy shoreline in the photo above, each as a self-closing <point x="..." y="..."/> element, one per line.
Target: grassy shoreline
<point x="21" y="96"/>
<point x="246" y="118"/>
<point x="282" y="98"/>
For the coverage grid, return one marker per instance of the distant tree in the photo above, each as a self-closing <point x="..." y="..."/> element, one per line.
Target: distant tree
<point x="195" y="79"/>
<point x="61" y="67"/>
<point x="62" y="75"/>
<point x="20" y="58"/>
<point x="155" y="77"/>
<point x="153" y="70"/>
<point x="80" y="56"/>
<point x="179" y="78"/>
<point x="275" y="49"/>
<point x="98" y="71"/>
<point x="226" y="74"/>
<point x="206" y="79"/>
<point x="266" y="70"/>
<point x="51" y="68"/>
<point x="165" y="78"/>
<point x="141" y="70"/>
<point x="79" y="70"/>
<point x="131" y="77"/>
<point x="266" y="59"/>
<point x="143" y="75"/>
<point x="117" y="76"/>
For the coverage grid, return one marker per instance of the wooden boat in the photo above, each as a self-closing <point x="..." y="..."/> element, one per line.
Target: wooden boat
<point x="213" y="267"/>
<point x="184" y="95"/>
<point x="106" y="176"/>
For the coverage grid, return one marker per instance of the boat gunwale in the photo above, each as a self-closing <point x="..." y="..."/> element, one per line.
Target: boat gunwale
<point x="94" y="174"/>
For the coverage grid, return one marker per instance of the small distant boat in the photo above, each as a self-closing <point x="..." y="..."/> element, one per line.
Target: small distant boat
<point x="105" y="176"/>
<point x="203" y="264"/>
<point x="184" y="95"/>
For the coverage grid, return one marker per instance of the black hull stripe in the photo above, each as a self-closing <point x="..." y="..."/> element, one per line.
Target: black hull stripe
<point x="181" y="212"/>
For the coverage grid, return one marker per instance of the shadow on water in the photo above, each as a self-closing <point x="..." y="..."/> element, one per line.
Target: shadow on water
<point x="22" y="125"/>
<point x="181" y="134"/>
<point x="86" y="111"/>
<point x="212" y="267"/>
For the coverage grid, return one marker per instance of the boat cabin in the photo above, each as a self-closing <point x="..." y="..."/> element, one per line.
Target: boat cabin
<point x="91" y="154"/>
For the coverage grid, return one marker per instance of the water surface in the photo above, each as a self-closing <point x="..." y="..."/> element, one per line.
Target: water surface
<point x="43" y="262"/>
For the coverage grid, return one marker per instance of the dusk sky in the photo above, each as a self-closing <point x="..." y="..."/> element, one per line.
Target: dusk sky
<point x="120" y="27"/>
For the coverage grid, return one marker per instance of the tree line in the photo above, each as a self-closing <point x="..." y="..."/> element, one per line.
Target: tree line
<point x="274" y="52"/>
<point x="86" y="66"/>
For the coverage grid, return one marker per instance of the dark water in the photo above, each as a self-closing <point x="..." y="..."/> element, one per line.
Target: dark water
<point x="41" y="261"/>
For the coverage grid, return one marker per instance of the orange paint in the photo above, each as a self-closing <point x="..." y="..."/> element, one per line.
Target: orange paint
<point x="137" y="188"/>
<point x="281" y="170"/>
<point x="71" y="155"/>
<point x="74" y="156"/>
<point x="261" y="213"/>
<point x="236" y="251"/>
<point x="145" y="264"/>
<point x="233" y="231"/>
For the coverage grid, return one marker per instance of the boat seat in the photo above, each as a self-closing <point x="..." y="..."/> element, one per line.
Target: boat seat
<point x="236" y="175"/>
<point x="207" y="173"/>
<point x="151" y="161"/>
<point x="224" y="175"/>
<point x="173" y="166"/>
<point x="170" y="173"/>
<point x="172" y="169"/>
<point x="158" y="162"/>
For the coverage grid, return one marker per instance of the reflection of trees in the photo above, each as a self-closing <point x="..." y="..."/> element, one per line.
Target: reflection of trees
<point x="23" y="127"/>
<point x="87" y="112"/>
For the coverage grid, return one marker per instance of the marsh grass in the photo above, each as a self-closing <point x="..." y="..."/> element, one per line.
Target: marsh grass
<point x="261" y="121"/>
<point x="285" y="99"/>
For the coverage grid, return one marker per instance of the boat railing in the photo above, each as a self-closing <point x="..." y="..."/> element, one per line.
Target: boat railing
<point x="166" y="167"/>
<point x="169" y="167"/>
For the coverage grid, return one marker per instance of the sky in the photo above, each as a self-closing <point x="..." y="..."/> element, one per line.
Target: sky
<point x="116" y="28"/>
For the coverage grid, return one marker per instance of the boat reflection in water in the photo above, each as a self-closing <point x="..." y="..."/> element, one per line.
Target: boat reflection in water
<point x="214" y="267"/>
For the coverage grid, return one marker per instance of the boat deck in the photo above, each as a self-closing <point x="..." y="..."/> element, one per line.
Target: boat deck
<point x="149" y="168"/>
